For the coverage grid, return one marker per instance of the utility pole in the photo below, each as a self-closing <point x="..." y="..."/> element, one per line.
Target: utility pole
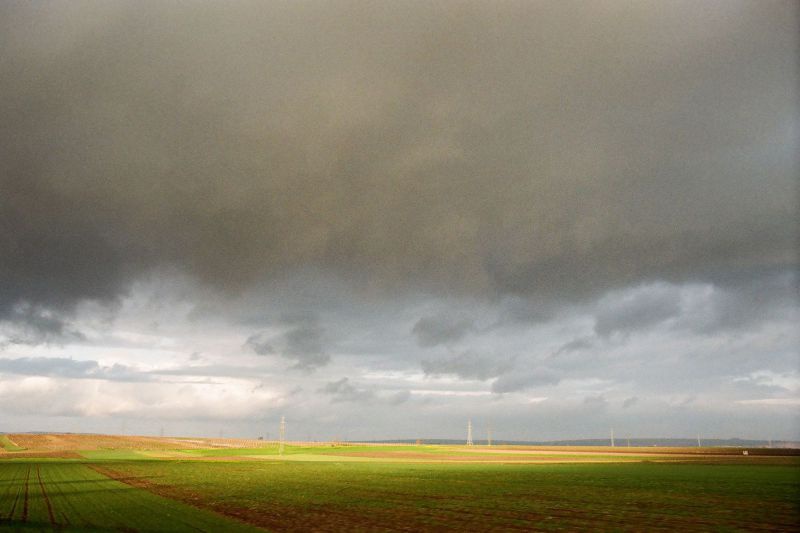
<point x="469" y="432"/>
<point x="282" y="435"/>
<point x="612" y="437"/>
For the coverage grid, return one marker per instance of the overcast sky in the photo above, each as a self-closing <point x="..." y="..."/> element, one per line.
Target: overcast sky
<point x="381" y="219"/>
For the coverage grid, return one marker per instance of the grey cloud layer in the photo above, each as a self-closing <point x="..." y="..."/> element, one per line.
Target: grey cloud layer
<point x="636" y="311"/>
<point x="558" y="217"/>
<point x="70" y="368"/>
<point x="468" y="365"/>
<point x="343" y="390"/>
<point x="525" y="379"/>
<point x="552" y="151"/>
<point x="442" y="329"/>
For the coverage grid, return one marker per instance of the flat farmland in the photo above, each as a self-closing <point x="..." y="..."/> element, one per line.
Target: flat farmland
<point x="77" y="441"/>
<point x="164" y="487"/>
<point x="56" y="495"/>
<point x="375" y="496"/>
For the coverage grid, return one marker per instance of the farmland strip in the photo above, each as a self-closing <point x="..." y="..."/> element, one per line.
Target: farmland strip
<point x="46" y="499"/>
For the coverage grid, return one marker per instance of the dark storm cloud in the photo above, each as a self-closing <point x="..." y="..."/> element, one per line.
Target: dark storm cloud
<point x="53" y="252"/>
<point x="553" y="151"/>
<point x="303" y="342"/>
<point x="441" y="329"/>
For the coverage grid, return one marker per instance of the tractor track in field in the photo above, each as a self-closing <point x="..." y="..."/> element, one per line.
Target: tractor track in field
<point x="14" y="505"/>
<point x="25" y="501"/>
<point x="50" y="514"/>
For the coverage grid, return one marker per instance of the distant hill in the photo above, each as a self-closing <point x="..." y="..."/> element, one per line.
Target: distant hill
<point x="620" y="442"/>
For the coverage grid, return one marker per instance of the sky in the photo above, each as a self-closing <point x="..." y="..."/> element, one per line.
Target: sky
<point x="383" y="219"/>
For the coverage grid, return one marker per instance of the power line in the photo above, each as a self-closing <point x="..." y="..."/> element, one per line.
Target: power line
<point x="282" y="435"/>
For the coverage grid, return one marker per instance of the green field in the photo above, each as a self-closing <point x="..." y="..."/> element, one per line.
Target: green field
<point x="71" y="496"/>
<point x="300" y="496"/>
<point x="372" y="488"/>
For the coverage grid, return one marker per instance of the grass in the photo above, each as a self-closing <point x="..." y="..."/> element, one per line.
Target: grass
<point x="329" y="496"/>
<point x="113" y="454"/>
<point x="9" y="445"/>
<point x="313" y="450"/>
<point x="386" y="452"/>
<point x="73" y="497"/>
<point x="379" y="488"/>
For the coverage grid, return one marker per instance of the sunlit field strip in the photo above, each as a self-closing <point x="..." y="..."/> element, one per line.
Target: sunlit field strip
<point x="331" y="495"/>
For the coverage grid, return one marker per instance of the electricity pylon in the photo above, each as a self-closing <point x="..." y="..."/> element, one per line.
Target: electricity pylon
<point x="469" y="432"/>
<point x="282" y="435"/>
<point x="612" y="437"/>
